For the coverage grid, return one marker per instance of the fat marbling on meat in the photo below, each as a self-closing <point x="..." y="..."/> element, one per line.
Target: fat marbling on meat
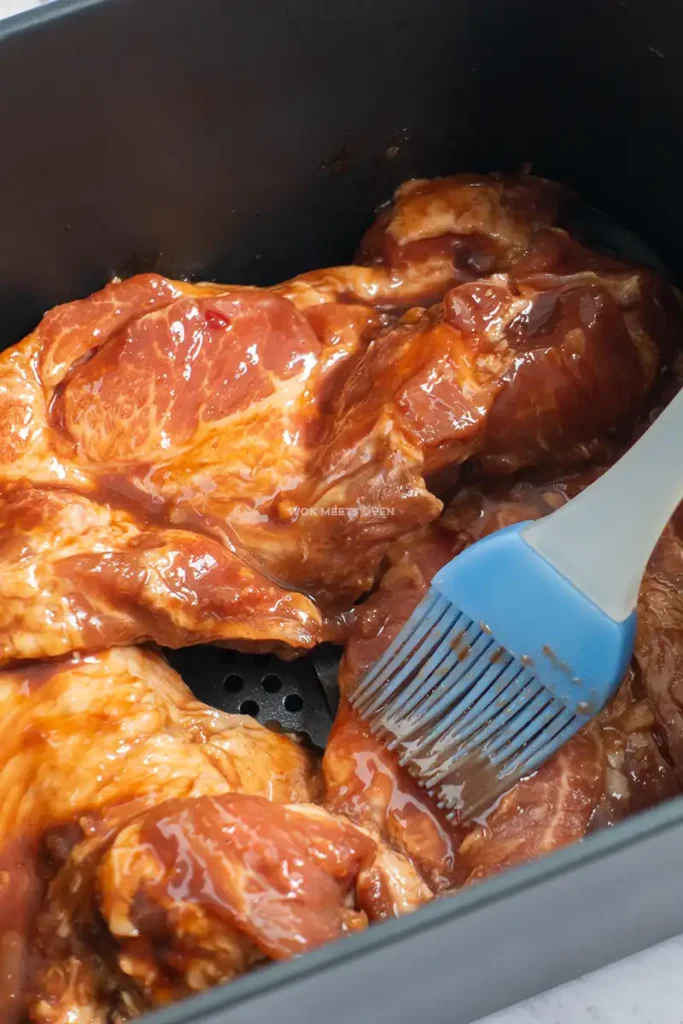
<point x="194" y="463"/>
<point x="184" y="463"/>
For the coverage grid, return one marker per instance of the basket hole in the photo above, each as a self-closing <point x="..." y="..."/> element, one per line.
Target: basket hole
<point x="249" y="707"/>
<point x="233" y="684"/>
<point x="261" y="659"/>
<point x="271" y="684"/>
<point x="293" y="702"/>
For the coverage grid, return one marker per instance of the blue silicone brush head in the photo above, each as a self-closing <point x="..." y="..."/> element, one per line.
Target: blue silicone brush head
<point x="496" y="668"/>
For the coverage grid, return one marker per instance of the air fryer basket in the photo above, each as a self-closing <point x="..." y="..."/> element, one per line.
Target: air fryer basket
<point x="292" y="696"/>
<point x="250" y="142"/>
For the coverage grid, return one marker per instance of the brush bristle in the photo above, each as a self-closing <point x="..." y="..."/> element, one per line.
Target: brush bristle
<point x="465" y="717"/>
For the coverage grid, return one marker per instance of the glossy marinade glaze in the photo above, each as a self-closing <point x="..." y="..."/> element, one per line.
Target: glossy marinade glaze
<point x="268" y="468"/>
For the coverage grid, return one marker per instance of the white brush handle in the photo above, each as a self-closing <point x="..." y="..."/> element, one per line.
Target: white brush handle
<point x="601" y="540"/>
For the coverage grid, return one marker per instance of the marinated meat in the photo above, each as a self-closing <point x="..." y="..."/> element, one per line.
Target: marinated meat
<point x="223" y="882"/>
<point x="85" y="574"/>
<point x="435" y="234"/>
<point x="515" y="369"/>
<point x="188" y="894"/>
<point x="95" y="538"/>
<point x="202" y="463"/>
<point x="443" y="231"/>
<point x="548" y="810"/>
<point x="136" y="819"/>
<point x="188" y="463"/>
<point x="89" y="741"/>
<point x="637" y="772"/>
<point x="98" y="731"/>
<point x="365" y="783"/>
<point x="391" y="886"/>
<point x="363" y="780"/>
<point x="659" y="650"/>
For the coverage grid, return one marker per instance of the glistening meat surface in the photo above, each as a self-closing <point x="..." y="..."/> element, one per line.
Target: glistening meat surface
<point x="187" y="463"/>
<point x="136" y="820"/>
<point x="184" y="464"/>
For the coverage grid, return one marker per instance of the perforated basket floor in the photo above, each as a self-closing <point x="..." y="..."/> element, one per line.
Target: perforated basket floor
<point x="297" y="696"/>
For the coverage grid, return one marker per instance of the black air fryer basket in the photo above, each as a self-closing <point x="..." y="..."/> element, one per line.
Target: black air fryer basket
<point x="249" y="142"/>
